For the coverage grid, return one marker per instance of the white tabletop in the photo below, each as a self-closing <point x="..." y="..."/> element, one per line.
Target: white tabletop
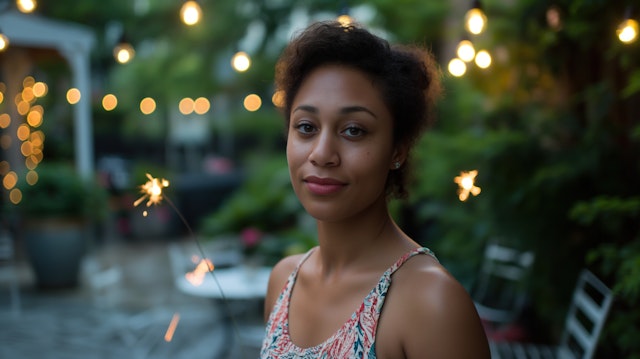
<point x="239" y="282"/>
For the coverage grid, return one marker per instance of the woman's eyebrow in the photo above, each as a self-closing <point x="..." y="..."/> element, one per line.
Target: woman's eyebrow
<point x="343" y="111"/>
<point x="306" y="108"/>
<point x="352" y="109"/>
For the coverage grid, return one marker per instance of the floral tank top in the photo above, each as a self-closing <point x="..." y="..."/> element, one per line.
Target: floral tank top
<point x="356" y="337"/>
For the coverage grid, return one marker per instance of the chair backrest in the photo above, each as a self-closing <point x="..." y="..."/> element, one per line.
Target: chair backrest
<point x="500" y="293"/>
<point x="586" y="316"/>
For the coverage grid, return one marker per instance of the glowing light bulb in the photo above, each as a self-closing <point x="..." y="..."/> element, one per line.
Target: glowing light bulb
<point x="241" y="61"/>
<point x="345" y="20"/>
<point x="466" y="52"/>
<point x="124" y="52"/>
<point x="457" y="67"/>
<point x="628" y="31"/>
<point x="26" y="6"/>
<point x="190" y="12"/>
<point x="4" y="42"/>
<point x="475" y="21"/>
<point x="483" y="59"/>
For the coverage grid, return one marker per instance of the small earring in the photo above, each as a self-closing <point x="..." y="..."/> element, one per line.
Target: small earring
<point x="396" y="164"/>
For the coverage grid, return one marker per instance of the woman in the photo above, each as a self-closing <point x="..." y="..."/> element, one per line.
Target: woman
<point x="354" y="107"/>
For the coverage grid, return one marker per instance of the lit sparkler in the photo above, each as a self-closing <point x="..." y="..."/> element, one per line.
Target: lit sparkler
<point x="153" y="191"/>
<point x="466" y="183"/>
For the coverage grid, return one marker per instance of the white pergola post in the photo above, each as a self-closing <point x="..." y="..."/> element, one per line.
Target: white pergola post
<point x="83" y="130"/>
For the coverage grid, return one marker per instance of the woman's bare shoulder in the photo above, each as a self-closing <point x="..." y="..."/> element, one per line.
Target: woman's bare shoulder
<point x="437" y="312"/>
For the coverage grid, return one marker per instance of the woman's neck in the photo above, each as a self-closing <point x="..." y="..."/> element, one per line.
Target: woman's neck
<point x="358" y="243"/>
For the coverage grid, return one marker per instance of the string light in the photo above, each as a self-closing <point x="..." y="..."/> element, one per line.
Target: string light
<point x="124" y="51"/>
<point x="73" y="96"/>
<point x="628" y="31"/>
<point x="252" y="102"/>
<point x="109" y="102"/>
<point x="241" y="61"/>
<point x="4" y="41"/>
<point x="26" y="6"/>
<point x="466" y="52"/>
<point x="191" y="12"/>
<point x="344" y="18"/>
<point x="483" y="59"/>
<point x="475" y="20"/>
<point x="457" y="67"/>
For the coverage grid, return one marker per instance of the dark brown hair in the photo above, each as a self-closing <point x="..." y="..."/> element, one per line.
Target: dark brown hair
<point x="407" y="76"/>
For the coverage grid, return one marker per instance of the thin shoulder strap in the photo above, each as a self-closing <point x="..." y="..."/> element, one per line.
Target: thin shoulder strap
<point x="406" y="256"/>
<point x="294" y="273"/>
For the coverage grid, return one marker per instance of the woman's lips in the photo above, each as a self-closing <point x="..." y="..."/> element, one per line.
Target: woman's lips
<point x="323" y="186"/>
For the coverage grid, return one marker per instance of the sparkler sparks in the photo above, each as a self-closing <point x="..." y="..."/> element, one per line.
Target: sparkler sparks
<point x="196" y="276"/>
<point x="168" y="336"/>
<point x="152" y="190"/>
<point x="466" y="183"/>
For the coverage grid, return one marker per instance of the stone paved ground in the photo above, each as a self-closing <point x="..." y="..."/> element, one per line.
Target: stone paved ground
<point x="123" y="317"/>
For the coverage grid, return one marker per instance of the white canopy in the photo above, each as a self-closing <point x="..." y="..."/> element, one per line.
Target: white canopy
<point x="74" y="42"/>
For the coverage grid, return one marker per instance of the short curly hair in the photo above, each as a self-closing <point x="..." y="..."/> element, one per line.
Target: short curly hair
<point x="407" y="76"/>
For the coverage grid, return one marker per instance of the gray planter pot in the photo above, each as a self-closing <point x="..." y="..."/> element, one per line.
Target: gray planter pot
<point x="56" y="249"/>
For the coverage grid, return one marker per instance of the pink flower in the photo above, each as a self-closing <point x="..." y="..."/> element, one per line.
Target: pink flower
<point x="250" y="237"/>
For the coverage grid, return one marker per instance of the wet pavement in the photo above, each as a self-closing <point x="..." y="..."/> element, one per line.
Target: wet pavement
<point x="122" y="309"/>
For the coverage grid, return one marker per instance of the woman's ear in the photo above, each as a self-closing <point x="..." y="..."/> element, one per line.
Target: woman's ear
<point x="399" y="157"/>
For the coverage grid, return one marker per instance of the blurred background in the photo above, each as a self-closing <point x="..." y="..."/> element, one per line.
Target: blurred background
<point x="536" y="145"/>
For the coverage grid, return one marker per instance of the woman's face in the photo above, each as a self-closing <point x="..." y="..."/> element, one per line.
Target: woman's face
<point x="339" y="147"/>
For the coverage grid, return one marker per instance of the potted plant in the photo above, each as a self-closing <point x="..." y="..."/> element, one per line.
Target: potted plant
<point x="57" y="211"/>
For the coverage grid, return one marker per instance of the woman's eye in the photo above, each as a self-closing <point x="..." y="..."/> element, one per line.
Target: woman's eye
<point x="354" y="131"/>
<point x="305" y="128"/>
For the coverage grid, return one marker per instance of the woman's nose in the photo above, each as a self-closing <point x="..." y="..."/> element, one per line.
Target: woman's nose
<point x="324" y="151"/>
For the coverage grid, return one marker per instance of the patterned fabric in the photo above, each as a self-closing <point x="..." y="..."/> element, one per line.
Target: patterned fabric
<point x="356" y="337"/>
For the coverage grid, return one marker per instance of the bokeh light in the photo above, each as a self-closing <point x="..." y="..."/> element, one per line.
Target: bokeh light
<point x="466" y="52"/>
<point x="252" y="102"/>
<point x="190" y="12"/>
<point x="241" y="61"/>
<point x="147" y="105"/>
<point x="475" y="21"/>
<point x="5" y="120"/>
<point x="4" y="42"/>
<point x="73" y="96"/>
<point x="457" y="67"/>
<point x="15" y="196"/>
<point x="186" y="105"/>
<point x="201" y="105"/>
<point x="109" y="102"/>
<point x="483" y="59"/>
<point x="26" y="6"/>
<point x="10" y="180"/>
<point x="40" y="89"/>
<point x="278" y="98"/>
<point x="628" y="31"/>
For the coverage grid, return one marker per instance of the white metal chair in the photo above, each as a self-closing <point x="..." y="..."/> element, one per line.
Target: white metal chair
<point x="586" y="316"/>
<point x="500" y="292"/>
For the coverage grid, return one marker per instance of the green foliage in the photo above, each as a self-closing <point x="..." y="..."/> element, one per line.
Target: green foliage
<point x="553" y="132"/>
<point x="61" y="192"/>
<point x="265" y="201"/>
